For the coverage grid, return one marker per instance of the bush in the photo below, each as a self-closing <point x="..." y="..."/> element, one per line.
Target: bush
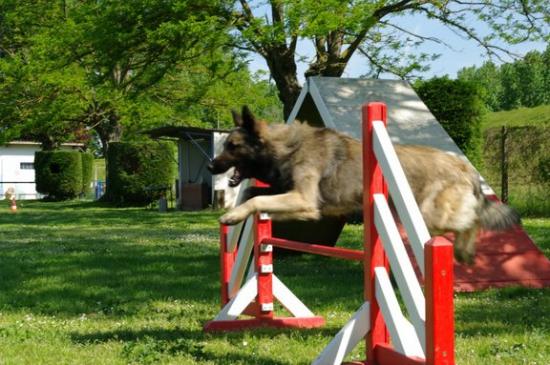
<point x="458" y="106"/>
<point x="58" y="174"/>
<point x="87" y="171"/>
<point x="133" y="168"/>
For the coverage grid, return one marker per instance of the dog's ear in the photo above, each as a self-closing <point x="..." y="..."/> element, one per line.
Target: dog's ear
<point x="237" y="118"/>
<point x="249" y="120"/>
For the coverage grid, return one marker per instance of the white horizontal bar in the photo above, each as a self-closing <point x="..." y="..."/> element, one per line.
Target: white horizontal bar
<point x="402" y="332"/>
<point x="400" y="191"/>
<point x="401" y="266"/>
<point x="345" y="341"/>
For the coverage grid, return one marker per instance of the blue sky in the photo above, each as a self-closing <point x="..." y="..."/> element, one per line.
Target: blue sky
<point x="464" y="53"/>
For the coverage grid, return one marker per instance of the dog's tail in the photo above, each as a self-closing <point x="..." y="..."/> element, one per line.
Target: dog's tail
<point x="497" y="216"/>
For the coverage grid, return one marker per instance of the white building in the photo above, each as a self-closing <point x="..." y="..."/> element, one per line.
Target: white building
<point x="17" y="167"/>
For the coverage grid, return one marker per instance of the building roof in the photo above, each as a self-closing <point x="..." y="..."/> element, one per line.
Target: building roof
<point x="336" y="103"/>
<point x="183" y="132"/>
<point x="32" y="143"/>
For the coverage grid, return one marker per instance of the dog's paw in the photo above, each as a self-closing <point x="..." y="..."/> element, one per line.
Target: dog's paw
<point x="233" y="217"/>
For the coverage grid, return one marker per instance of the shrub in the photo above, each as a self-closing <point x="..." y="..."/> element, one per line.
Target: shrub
<point x="136" y="167"/>
<point x="458" y="106"/>
<point x="87" y="171"/>
<point x="58" y="174"/>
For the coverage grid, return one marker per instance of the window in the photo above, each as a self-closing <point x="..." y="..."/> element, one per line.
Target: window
<point x="26" y="166"/>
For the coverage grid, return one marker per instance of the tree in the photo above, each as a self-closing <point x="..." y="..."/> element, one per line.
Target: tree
<point x="511" y="94"/>
<point x="488" y="79"/>
<point x="530" y="73"/>
<point x="339" y="29"/>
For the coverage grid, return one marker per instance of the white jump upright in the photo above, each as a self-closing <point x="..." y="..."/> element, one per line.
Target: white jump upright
<point x="424" y="336"/>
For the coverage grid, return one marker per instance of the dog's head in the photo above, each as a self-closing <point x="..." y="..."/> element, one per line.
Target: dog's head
<point x="244" y="148"/>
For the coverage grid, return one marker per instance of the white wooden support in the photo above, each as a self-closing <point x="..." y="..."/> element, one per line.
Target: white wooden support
<point x="235" y="231"/>
<point x="243" y="257"/>
<point x="266" y="269"/>
<point x="266" y="248"/>
<point x="345" y="341"/>
<point x="401" y="192"/>
<point x="401" y="266"/>
<point x="238" y="304"/>
<point x="402" y="332"/>
<point x="267" y="307"/>
<point x="289" y="301"/>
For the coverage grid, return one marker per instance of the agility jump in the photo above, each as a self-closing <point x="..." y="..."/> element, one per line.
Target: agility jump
<point x="426" y="337"/>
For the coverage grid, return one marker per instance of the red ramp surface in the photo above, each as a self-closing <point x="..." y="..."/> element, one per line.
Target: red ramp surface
<point x="503" y="259"/>
<point x="506" y="258"/>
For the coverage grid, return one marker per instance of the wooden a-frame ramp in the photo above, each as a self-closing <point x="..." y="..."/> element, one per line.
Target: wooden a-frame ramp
<point x="508" y="258"/>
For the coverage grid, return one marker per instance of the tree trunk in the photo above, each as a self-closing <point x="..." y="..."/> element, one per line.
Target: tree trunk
<point x="282" y="66"/>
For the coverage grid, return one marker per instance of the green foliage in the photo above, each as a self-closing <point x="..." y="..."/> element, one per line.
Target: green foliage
<point x="525" y="82"/>
<point x="87" y="171"/>
<point x="134" y="168"/>
<point x="58" y="174"/>
<point x="458" y="106"/>
<point x="543" y="170"/>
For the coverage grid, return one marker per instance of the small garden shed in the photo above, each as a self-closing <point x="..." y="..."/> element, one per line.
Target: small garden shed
<point x="197" y="187"/>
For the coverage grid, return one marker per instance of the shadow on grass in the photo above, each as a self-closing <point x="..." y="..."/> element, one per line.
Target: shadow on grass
<point x="171" y="342"/>
<point x="58" y="260"/>
<point x="504" y="311"/>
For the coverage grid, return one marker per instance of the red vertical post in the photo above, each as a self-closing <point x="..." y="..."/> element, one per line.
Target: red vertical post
<point x="227" y="260"/>
<point x="263" y="257"/>
<point x="438" y="254"/>
<point x="373" y="183"/>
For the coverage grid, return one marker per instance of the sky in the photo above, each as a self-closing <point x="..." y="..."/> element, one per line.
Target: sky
<point x="463" y="52"/>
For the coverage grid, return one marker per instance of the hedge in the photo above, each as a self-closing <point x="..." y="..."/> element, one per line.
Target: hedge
<point x="136" y="169"/>
<point x="458" y="106"/>
<point x="58" y="174"/>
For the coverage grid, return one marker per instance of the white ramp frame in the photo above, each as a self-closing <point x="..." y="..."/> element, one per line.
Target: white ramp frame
<point x="402" y="332"/>
<point x="345" y="341"/>
<point x="401" y="266"/>
<point x="400" y="191"/>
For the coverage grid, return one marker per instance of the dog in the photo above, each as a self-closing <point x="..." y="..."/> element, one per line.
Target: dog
<point x="314" y="172"/>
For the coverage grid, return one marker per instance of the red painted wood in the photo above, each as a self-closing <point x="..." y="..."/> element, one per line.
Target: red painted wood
<point x="265" y="280"/>
<point x="438" y="289"/>
<point x="227" y="259"/>
<point x="374" y="183"/>
<point x="337" y="252"/>
<point x="276" y="322"/>
<point x="386" y="355"/>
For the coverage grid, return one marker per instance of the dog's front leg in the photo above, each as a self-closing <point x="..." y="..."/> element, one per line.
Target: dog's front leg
<point x="291" y="204"/>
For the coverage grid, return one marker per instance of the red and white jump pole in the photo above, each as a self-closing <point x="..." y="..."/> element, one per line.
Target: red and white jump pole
<point x="426" y="337"/>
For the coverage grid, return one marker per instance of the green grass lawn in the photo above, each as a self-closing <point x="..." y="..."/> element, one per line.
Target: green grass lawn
<point x="82" y="283"/>
<point x="537" y="116"/>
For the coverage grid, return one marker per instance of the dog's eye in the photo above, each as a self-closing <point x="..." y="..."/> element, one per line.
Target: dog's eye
<point x="231" y="145"/>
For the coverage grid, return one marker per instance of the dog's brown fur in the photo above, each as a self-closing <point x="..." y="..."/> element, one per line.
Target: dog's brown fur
<point x="317" y="171"/>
